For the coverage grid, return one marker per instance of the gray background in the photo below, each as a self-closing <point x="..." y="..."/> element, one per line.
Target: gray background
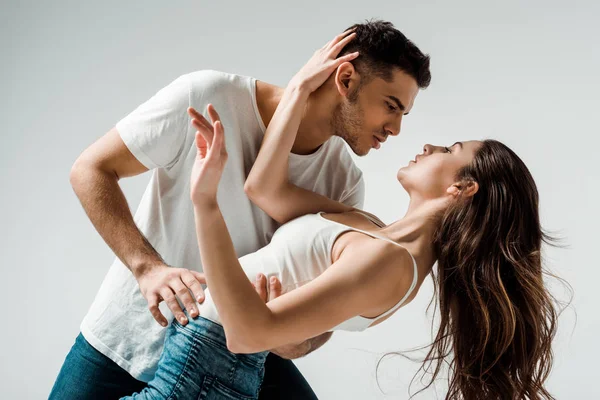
<point x="521" y="72"/>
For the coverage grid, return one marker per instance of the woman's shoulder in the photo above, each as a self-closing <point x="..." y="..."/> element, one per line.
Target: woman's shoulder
<point x="383" y="270"/>
<point x="381" y="259"/>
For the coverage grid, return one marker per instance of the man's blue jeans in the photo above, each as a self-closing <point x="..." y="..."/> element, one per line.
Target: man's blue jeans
<point x="88" y="374"/>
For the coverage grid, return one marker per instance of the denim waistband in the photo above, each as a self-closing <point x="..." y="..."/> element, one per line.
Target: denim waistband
<point x="214" y="332"/>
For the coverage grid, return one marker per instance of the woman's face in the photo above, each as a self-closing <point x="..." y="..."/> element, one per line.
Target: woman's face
<point x="431" y="173"/>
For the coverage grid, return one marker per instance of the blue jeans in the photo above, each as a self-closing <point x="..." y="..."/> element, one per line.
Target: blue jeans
<point x="89" y="374"/>
<point x="196" y="364"/>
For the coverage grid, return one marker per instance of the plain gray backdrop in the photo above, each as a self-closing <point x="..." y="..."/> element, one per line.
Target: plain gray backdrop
<point x="525" y="73"/>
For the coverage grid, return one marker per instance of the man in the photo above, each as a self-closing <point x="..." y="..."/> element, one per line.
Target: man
<point x="121" y="338"/>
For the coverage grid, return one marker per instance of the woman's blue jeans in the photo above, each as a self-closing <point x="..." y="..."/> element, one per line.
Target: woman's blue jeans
<point x="195" y="364"/>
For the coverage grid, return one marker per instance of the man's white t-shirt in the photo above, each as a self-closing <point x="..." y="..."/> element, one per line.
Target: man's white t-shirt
<point x="159" y="134"/>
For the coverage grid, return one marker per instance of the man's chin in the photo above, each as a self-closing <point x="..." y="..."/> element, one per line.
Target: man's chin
<point x="360" y="152"/>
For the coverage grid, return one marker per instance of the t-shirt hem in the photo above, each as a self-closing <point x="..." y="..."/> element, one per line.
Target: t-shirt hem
<point x="116" y="358"/>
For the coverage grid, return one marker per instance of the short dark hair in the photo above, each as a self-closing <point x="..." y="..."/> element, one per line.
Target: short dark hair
<point x="382" y="48"/>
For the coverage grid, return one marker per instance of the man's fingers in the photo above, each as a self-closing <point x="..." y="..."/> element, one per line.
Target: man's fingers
<point x="198" y="275"/>
<point x="169" y="297"/>
<point x="194" y="284"/>
<point x="202" y="279"/>
<point x="182" y="291"/>
<point x="260" y="284"/>
<point x="153" y="301"/>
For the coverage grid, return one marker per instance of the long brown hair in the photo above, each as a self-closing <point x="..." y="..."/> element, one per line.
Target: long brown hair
<point x="497" y="318"/>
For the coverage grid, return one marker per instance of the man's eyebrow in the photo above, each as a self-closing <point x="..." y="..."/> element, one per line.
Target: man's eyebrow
<point x="398" y="103"/>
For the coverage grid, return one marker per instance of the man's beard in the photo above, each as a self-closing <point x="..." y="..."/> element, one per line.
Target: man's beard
<point x="347" y="123"/>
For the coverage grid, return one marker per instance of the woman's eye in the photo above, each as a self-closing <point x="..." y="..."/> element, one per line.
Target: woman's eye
<point x="448" y="150"/>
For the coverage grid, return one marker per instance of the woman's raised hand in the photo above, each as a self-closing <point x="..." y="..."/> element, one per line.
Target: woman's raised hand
<point x="211" y="156"/>
<point x="323" y="62"/>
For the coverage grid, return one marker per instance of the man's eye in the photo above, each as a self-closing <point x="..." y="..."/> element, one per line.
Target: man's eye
<point x="390" y="106"/>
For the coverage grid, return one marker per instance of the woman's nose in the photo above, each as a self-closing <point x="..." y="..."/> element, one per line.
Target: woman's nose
<point x="427" y="149"/>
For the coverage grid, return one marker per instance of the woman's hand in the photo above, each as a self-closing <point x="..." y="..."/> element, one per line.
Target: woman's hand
<point x="210" y="158"/>
<point x="323" y="62"/>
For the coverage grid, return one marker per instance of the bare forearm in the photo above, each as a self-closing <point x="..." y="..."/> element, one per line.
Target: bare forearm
<point x="270" y="170"/>
<point x="240" y="308"/>
<point x="268" y="184"/>
<point x="106" y="206"/>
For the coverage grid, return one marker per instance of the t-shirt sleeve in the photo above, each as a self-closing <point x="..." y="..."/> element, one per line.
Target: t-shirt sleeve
<point x="155" y="132"/>
<point x="355" y="197"/>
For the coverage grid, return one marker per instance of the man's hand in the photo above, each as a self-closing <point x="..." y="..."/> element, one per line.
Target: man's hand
<point x="162" y="282"/>
<point x="293" y="350"/>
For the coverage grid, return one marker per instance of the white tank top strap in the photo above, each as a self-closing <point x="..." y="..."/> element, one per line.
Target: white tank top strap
<point x="371" y="217"/>
<point x="415" y="270"/>
<point x="408" y="292"/>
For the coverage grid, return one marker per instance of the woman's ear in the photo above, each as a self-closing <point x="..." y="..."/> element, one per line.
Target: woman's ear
<point x="346" y="78"/>
<point x="453" y="190"/>
<point x="464" y="188"/>
<point x="470" y="188"/>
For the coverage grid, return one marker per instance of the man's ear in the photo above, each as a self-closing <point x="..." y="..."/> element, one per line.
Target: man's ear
<point x="464" y="188"/>
<point x="346" y="78"/>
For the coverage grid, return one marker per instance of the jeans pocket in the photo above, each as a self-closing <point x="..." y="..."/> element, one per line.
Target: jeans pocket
<point x="213" y="389"/>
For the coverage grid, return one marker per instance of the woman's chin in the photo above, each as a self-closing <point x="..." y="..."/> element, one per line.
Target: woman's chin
<point x="402" y="174"/>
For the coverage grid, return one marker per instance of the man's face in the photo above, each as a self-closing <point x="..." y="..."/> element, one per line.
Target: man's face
<point x="368" y="115"/>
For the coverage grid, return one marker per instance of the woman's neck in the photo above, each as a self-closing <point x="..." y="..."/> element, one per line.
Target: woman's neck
<point x="416" y="231"/>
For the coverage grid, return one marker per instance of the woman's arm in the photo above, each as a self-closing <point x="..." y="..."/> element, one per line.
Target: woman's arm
<point x="268" y="184"/>
<point x="349" y="287"/>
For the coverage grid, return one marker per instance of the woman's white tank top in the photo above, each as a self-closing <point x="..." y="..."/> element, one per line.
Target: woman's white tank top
<point x="299" y="252"/>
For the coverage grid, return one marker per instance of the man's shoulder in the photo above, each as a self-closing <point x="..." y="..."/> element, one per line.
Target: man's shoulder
<point x="206" y="79"/>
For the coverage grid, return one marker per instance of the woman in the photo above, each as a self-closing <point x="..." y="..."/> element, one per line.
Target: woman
<point x="473" y="209"/>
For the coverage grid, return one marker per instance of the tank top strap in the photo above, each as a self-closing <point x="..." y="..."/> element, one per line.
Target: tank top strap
<point x="415" y="269"/>
<point x="408" y="292"/>
<point x="370" y="217"/>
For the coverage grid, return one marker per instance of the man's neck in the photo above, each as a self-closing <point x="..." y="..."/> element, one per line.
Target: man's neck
<point x="315" y="128"/>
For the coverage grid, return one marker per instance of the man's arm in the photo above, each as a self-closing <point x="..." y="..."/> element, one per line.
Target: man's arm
<point x="94" y="178"/>
<point x="289" y="351"/>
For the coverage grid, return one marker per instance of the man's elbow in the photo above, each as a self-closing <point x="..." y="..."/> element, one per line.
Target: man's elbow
<point x="76" y="174"/>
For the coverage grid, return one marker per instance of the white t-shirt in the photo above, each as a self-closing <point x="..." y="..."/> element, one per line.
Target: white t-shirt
<point x="160" y="136"/>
